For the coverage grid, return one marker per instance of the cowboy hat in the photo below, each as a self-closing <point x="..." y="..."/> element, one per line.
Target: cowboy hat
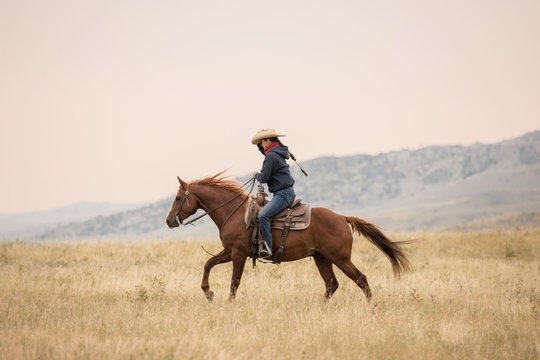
<point x="264" y="134"/>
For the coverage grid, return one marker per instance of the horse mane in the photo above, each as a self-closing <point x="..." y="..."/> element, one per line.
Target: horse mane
<point x="220" y="181"/>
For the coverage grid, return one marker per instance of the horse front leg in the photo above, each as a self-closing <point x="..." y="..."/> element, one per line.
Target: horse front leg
<point x="238" y="268"/>
<point x="223" y="257"/>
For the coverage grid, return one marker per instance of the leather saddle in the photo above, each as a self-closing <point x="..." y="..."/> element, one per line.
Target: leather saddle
<point x="300" y="213"/>
<point x="296" y="217"/>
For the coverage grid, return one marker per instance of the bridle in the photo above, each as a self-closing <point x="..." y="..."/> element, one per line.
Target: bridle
<point x="185" y="199"/>
<point x="182" y="202"/>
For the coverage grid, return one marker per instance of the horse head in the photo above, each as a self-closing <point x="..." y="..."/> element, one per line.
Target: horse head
<point x="184" y="205"/>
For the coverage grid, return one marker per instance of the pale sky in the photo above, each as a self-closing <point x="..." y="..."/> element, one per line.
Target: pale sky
<point x="110" y="100"/>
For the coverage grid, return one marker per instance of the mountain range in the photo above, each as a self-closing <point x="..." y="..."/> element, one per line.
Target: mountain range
<point x="29" y="224"/>
<point x="435" y="187"/>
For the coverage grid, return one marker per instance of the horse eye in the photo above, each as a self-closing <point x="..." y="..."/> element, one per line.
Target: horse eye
<point x="178" y="198"/>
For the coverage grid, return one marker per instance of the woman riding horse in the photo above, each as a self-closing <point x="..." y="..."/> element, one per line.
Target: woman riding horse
<point x="328" y="239"/>
<point x="276" y="173"/>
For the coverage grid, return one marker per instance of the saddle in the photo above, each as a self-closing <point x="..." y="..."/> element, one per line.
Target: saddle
<point x="296" y="217"/>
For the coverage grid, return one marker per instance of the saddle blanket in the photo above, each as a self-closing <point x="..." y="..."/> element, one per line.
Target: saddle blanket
<point x="301" y="215"/>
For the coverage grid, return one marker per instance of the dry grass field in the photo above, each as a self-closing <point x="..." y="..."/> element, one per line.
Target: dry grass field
<point x="472" y="295"/>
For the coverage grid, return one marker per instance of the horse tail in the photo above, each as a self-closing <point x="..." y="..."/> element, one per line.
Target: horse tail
<point x="392" y="249"/>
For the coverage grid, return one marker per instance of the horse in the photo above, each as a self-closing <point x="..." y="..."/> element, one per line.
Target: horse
<point x="328" y="239"/>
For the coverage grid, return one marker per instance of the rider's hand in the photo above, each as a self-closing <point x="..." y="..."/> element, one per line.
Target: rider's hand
<point x="254" y="174"/>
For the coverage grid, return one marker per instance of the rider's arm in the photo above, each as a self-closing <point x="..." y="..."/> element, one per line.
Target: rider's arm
<point x="266" y="170"/>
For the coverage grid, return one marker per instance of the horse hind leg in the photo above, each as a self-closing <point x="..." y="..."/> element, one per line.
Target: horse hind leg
<point x="360" y="279"/>
<point x="223" y="257"/>
<point x="327" y="273"/>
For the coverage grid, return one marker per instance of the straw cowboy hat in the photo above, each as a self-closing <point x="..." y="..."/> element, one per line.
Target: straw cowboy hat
<point x="265" y="134"/>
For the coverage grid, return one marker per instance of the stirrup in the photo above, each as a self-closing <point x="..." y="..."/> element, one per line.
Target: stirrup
<point x="264" y="251"/>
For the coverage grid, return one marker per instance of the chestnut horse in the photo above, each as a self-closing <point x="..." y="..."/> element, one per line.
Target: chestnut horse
<point x="328" y="239"/>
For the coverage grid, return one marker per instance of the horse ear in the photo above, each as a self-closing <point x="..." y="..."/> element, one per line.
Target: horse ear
<point x="182" y="183"/>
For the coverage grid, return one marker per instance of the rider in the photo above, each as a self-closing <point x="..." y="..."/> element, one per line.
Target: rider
<point x="276" y="174"/>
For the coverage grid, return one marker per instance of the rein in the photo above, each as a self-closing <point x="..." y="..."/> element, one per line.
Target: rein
<point x="185" y="198"/>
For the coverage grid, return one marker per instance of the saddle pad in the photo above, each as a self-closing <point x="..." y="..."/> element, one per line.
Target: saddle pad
<point x="300" y="221"/>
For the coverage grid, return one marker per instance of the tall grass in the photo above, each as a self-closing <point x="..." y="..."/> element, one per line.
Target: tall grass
<point x="472" y="295"/>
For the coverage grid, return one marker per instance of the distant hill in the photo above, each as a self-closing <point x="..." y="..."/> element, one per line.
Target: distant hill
<point x="430" y="188"/>
<point x="434" y="187"/>
<point x="526" y="220"/>
<point x="25" y="225"/>
<point x="138" y="221"/>
<point x="361" y="181"/>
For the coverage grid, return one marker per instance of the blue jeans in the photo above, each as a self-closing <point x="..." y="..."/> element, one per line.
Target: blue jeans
<point x="282" y="199"/>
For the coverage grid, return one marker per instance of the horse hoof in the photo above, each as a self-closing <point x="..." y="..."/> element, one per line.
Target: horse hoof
<point x="210" y="296"/>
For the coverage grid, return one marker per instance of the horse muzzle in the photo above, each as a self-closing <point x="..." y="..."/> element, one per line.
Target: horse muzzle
<point x="174" y="222"/>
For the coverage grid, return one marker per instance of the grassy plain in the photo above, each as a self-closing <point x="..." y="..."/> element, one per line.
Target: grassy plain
<point x="472" y="295"/>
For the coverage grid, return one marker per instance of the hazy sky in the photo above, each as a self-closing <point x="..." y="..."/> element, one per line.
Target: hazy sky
<point x="110" y="100"/>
